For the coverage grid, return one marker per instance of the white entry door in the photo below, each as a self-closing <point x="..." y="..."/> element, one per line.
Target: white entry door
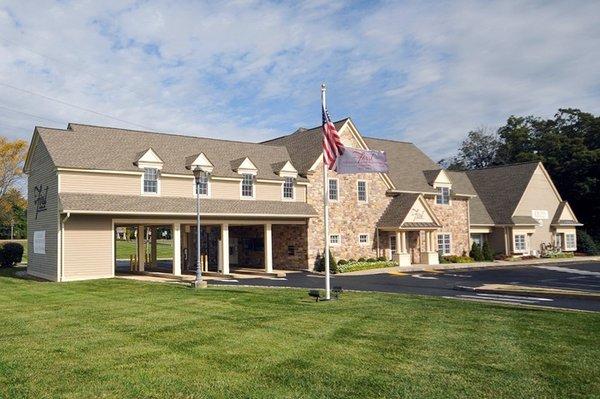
<point x="393" y="244"/>
<point x="233" y="251"/>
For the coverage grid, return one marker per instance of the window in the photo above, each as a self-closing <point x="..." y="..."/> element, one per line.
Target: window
<point x="333" y="190"/>
<point x="335" y="239"/>
<point x="520" y="243"/>
<point x="558" y="240"/>
<point x="291" y="250"/>
<point x="477" y="239"/>
<point x="151" y="180"/>
<point x="361" y="187"/>
<point x="247" y="185"/>
<point x="393" y="244"/>
<point x="443" y="196"/>
<point x="288" y="188"/>
<point x="444" y="243"/>
<point x="202" y="186"/>
<point x="363" y="239"/>
<point x="570" y="242"/>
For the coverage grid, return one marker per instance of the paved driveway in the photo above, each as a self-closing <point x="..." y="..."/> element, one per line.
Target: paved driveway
<point x="581" y="276"/>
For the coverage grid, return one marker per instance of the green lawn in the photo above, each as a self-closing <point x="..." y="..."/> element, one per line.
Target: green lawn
<point x="117" y="338"/>
<point x="164" y="249"/>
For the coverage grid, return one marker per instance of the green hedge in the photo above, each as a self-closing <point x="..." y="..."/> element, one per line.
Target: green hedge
<point x="11" y="253"/>
<point x="356" y="266"/>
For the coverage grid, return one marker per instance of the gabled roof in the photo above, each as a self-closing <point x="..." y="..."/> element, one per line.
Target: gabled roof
<point x="478" y="213"/>
<point x="106" y="148"/>
<point x="559" y="220"/>
<point x="501" y="188"/>
<point x="406" y="163"/>
<point x="304" y="145"/>
<point x="395" y="215"/>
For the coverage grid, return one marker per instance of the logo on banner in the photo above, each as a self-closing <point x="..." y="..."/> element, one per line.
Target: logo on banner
<point x="40" y="195"/>
<point x="355" y="160"/>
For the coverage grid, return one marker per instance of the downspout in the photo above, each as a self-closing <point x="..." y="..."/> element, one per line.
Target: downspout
<point x="62" y="246"/>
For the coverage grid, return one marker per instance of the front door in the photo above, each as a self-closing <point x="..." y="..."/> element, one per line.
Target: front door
<point x="393" y="245"/>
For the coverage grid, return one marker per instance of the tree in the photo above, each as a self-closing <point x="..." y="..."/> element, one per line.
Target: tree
<point x="13" y="210"/>
<point x="486" y="251"/>
<point x="12" y="157"/>
<point x="478" y="150"/>
<point x="476" y="253"/>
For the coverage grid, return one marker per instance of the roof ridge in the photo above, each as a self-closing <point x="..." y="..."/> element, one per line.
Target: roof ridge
<point x="393" y="141"/>
<point x="301" y="130"/>
<point x="171" y="134"/>
<point x="501" y="166"/>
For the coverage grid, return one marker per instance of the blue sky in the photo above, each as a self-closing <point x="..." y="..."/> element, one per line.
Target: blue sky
<point x="425" y="72"/>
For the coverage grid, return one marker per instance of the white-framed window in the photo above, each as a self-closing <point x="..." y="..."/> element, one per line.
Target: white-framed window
<point x="520" y="242"/>
<point x="393" y="244"/>
<point x="444" y="244"/>
<point x="570" y="242"/>
<point x="288" y="188"/>
<point x="443" y="196"/>
<point x="247" y="185"/>
<point x="203" y="187"/>
<point x="363" y="239"/>
<point x="333" y="190"/>
<point x="558" y="240"/>
<point x="150" y="182"/>
<point x="335" y="239"/>
<point x="361" y="191"/>
<point x="477" y="239"/>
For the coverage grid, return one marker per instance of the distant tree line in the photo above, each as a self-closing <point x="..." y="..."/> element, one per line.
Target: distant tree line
<point x="568" y="144"/>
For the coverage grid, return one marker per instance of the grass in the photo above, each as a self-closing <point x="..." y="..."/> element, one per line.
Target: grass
<point x="126" y="339"/>
<point x="356" y="266"/>
<point x="164" y="249"/>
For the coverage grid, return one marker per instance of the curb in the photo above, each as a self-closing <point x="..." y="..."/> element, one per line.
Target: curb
<point x="551" y="294"/>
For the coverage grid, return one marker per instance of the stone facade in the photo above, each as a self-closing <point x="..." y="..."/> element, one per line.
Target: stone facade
<point x="454" y="219"/>
<point x="290" y="247"/>
<point x="347" y="217"/>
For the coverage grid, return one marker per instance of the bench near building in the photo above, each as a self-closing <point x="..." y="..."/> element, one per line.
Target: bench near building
<point x="262" y="205"/>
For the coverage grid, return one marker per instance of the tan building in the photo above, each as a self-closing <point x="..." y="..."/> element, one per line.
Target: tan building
<point x="262" y="205"/>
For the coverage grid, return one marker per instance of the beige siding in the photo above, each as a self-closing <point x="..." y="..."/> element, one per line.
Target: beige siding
<point x="269" y="191"/>
<point x="100" y="183"/>
<point x="540" y="196"/>
<point x="177" y="186"/>
<point x="43" y="173"/>
<point x="225" y="189"/>
<point x="88" y="242"/>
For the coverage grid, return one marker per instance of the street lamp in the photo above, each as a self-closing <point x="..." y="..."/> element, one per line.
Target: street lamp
<point x="202" y="171"/>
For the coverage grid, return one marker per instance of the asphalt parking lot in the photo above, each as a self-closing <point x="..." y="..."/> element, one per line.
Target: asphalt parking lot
<point x="572" y="276"/>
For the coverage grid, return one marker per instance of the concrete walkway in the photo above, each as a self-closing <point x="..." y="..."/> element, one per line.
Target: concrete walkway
<point x="475" y="265"/>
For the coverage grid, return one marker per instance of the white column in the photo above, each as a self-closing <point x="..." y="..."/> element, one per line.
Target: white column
<point x="224" y="259"/>
<point x="176" y="233"/>
<point x="141" y="248"/>
<point x="268" y="248"/>
<point x="399" y="245"/>
<point x="403" y="241"/>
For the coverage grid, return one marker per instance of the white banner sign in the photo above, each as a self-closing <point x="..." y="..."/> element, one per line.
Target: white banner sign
<point x="355" y="160"/>
<point x="539" y="214"/>
<point x="39" y="242"/>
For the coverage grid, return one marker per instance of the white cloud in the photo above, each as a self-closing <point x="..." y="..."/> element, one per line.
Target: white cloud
<point x="421" y="71"/>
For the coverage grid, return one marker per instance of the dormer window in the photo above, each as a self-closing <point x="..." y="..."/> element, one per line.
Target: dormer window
<point x="443" y="196"/>
<point x="288" y="188"/>
<point x="202" y="186"/>
<point x="247" y="185"/>
<point x="151" y="181"/>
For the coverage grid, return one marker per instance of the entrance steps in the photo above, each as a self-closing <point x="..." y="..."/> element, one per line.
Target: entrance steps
<point x="258" y="272"/>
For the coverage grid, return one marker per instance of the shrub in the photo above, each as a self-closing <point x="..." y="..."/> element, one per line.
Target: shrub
<point x="371" y="260"/>
<point x="486" y="251"/>
<point x="382" y="259"/>
<point x="456" y="259"/>
<point x="342" y="262"/>
<point x="361" y="259"/>
<point x="476" y="252"/>
<point x="586" y="243"/>
<point x="351" y="260"/>
<point x="320" y="263"/>
<point x="11" y="253"/>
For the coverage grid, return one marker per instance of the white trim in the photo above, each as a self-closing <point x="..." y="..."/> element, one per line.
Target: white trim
<point x="277" y="215"/>
<point x="363" y="243"/>
<point x="112" y="172"/>
<point x="339" y="240"/>
<point x="567" y="248"/>
<point x="514" y="240"/>
<point x="393" y="251"/>
<point x="440" y="194"/>
<point x="230" y="222"/>
<point x="247" y="197"/>
<point x="208" y="189"/>
<point x="443" y="233"/>
<point x="283" y="198"/>
<point x="366" y="201"/>
<point x="149" y="159"/>
<point x="337" y="185"/>
<point x="158" y="185"/>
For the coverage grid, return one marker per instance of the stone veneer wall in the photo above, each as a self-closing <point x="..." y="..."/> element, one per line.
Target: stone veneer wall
<point x="455" y="220"/>
<point x="347" y="217"/>
<point x="285" y="235"/>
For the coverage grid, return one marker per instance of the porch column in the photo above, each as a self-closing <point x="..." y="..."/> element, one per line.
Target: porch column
<point x="141" y="248"/>
<point x="399" y="244"/>
<point x="268" y="248"/>
<point x="403" y="242"/>
<point x="224" y="252"/>
<point x="153" y="255"/>
<point x="176" y="232"/>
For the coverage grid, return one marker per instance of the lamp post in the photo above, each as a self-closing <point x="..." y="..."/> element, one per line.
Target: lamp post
<point x="199" y="174"/>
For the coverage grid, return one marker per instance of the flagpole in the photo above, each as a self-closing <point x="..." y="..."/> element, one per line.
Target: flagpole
<point x="325" y="211"/>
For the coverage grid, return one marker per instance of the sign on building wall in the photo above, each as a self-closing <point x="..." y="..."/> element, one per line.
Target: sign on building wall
<point x="539" y="214"/>
<point x="39" y="242"/>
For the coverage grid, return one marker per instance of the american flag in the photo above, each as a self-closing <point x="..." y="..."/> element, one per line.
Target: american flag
<point x="332" y="145"/>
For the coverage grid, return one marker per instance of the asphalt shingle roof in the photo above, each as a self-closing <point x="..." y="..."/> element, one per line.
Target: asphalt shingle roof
<point x="500" y="188"/>
<point x="135" y="204"/>
<point x="105" y="148"/>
